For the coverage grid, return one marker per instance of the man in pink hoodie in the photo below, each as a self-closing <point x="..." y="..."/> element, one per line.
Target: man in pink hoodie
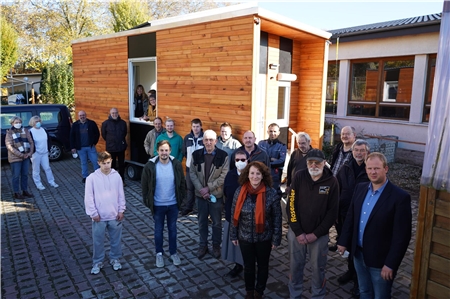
<point x="104" y="201"/>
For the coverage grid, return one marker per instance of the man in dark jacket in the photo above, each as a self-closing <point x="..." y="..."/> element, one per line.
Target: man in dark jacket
<point x="163" y="190"/>
<point x="191" y="142"/>
<point x="312" y="209"/>
<point x="277" y="154"/>
<point x="252" y="150"/>
<point x="377" y="229"/>
<point x="84" y="136"/>
<point x="342" y="152"/>
<point x="114" y="132"/>
<point x="298" y="157"/>
<point x="351" y="174"/>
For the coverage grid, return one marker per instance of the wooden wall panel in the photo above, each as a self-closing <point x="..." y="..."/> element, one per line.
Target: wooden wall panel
<point x="306" y="104"/>
<point x="205" y="71"/>
<point x="101" y="79"/>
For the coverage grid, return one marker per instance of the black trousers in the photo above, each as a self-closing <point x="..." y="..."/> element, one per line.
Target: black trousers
<point x="120" y="156"/>
<point x="256" y="253"/>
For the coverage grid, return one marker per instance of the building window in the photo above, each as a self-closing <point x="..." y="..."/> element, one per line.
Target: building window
<point x="332" y="88"/>
<point x="381" y="88"/>
<point x="429" y="89"/>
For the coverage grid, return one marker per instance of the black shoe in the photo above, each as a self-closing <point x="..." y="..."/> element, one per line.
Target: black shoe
<point x="235" y="271"/>
<point x="355" y="290"/>
<point x="216" y="252"/>
<point x="345" y="278"/>
<point x="18" y="196"/>
<point x="27" y="194"/>
<point x="185" y="212"/>
<point x="201" y="252"/>
<point x="83" y="180"/>
<point x="332" y="248"/>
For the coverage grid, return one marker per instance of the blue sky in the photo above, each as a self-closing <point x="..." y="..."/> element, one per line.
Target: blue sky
<point x="337" y="14"/>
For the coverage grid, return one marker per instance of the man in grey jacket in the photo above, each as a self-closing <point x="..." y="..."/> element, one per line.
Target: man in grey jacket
<point x="208" y="168"/>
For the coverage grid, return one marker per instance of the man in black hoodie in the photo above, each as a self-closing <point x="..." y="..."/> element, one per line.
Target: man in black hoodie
<point x="114" y="131"/>
<point x="312" y="209"/>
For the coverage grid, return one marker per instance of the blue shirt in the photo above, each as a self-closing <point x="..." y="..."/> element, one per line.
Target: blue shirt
<point x="84" y="137"/>
<point x="165" y="186"/>
<point x="369" y="202"/>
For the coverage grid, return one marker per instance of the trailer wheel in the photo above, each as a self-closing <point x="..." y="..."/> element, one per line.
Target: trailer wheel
<point x="133" y="172"/>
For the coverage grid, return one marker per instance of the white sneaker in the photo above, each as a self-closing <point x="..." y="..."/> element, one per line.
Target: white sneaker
<point x="54" y="185"/>
<point x="159" y="260"/>
<point x="175" y="259"/>
<point x="40" y="187"/>
<point x="116" y="264"/>
<point x="96" y="268"/>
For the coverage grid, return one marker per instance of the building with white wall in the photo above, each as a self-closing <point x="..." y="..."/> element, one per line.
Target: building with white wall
<point x="380" y="78"/>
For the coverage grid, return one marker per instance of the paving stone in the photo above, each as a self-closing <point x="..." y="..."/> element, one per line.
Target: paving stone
<point x="47" y="252"/>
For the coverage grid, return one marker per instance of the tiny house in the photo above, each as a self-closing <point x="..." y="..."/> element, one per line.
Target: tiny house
<point x="239" y="64"/>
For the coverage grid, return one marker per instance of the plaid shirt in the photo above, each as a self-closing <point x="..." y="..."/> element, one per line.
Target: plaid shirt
<point x="342" y="158"/>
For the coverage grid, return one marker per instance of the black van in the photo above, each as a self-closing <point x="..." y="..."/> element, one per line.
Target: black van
<point x="56" y="120"/>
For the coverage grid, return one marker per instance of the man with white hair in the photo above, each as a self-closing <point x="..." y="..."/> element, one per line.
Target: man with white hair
<point x="208" y="168"/>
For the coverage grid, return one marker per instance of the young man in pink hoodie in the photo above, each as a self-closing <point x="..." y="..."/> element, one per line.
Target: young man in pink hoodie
<point x="104" y="201"/>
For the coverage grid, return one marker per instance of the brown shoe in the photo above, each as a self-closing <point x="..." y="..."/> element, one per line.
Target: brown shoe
<point x="258" y="295"/>
<point x="249" y="295"/>
<point x="18" y="196"/>
<point x="27" y="194"/>
<point x="201" y="252"/>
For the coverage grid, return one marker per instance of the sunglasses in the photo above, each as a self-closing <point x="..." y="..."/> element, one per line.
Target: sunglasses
<point x="242" y="160"/>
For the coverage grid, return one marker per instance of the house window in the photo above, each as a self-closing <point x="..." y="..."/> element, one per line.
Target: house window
<point x="381" y="88"/>
<point x="429" y="89"/>
<point x="332" y="88"/>
<point x="284" y="91"/>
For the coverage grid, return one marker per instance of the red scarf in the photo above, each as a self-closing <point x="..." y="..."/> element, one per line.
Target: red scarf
<point x="260" y="204"/>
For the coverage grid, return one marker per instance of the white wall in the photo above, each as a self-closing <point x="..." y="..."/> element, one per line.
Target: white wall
<point x="412" y="134"/>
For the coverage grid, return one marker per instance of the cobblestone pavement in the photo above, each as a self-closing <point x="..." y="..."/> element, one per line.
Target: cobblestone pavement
<point x="46" y="249"/>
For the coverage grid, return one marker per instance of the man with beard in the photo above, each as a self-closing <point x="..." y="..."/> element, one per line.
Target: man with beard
<point x="175" y="140"/>
<point x="277" y="154"/>
<point x="351" y="174"/>
<point x="312" y="209"/>
<point x="163" y="189"/>
<point x="298" y="157"/>
<point x="377" y="229"/>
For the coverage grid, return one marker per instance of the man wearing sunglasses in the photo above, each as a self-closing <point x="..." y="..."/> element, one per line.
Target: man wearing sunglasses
<point x="312" y="209"/>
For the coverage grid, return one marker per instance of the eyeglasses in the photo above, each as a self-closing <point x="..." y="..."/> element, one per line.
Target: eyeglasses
<point x="242" y="160"/>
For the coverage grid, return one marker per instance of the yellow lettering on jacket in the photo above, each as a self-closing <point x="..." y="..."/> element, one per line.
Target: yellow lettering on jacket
<point x="292" y="206"/>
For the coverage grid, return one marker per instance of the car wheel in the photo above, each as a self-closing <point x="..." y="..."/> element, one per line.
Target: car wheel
<point x="133" y="172"/>
<point x="56" y="152"/>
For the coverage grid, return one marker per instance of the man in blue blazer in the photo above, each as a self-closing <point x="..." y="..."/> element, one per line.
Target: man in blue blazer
<point x="377" y="229"/>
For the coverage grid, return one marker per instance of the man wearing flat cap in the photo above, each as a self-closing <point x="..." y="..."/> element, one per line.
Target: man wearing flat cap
<point x="312" y="209"/>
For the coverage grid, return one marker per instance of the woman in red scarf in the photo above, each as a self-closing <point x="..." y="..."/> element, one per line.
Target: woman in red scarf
<point x="256" y="224"/>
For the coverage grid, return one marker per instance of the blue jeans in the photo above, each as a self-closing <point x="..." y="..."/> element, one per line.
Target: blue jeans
<point x="84" y="153"/>
<point x="205" y="209"/>
<point x="159" y="215"/>
<point x="114" y="229"/>
<point x="318" y="252"/>
<point x="371" y="284"/>
<point x="20" y="175"/>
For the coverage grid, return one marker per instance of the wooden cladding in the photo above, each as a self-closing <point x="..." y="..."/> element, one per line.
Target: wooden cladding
<point x="101" y="79"/>
<point x="431" y="276"/>
<point x="205" y="71"/>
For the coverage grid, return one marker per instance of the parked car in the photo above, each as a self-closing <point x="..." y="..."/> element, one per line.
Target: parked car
<point x="55" y="118"/>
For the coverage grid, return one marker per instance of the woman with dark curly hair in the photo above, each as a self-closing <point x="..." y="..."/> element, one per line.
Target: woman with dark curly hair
<point x="256" y="224"/>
